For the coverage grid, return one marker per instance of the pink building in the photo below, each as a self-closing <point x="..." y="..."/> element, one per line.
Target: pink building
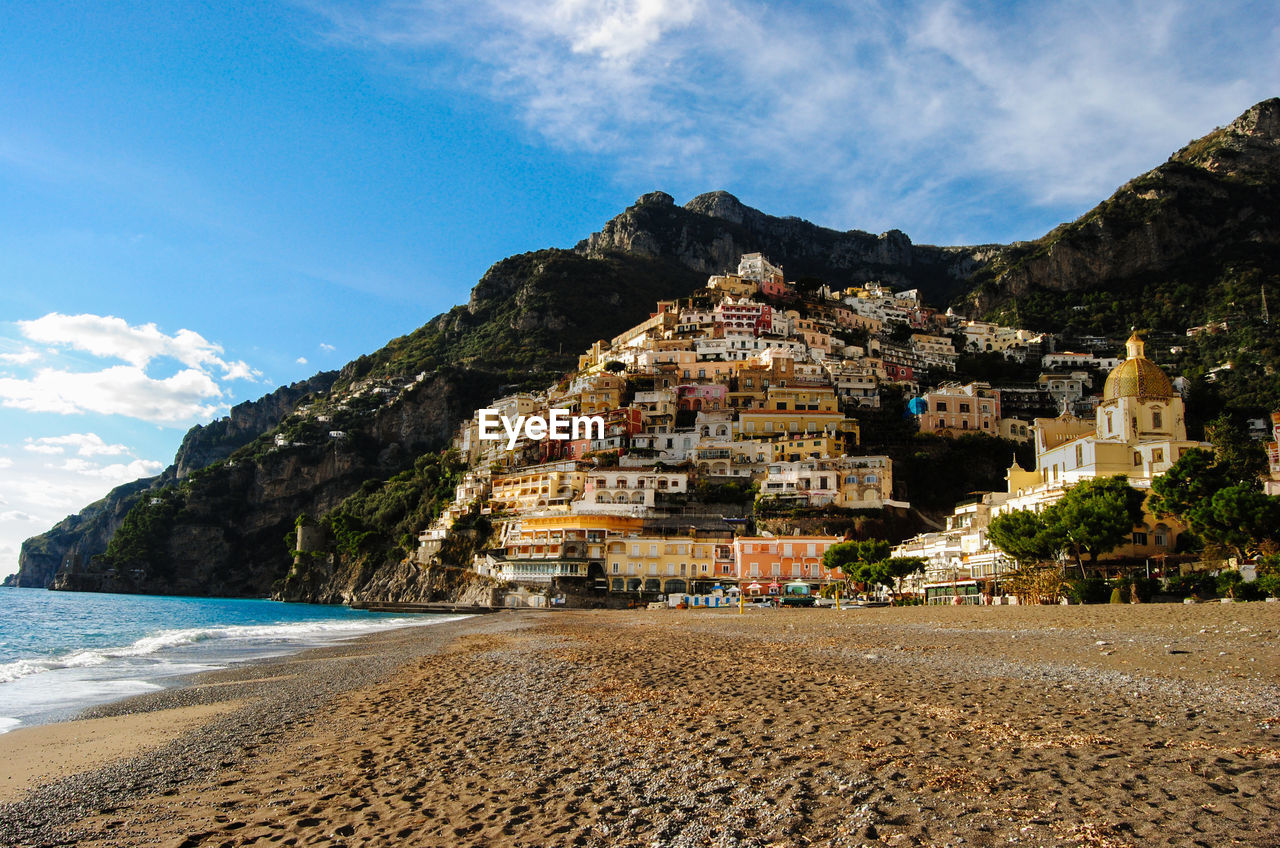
<point x="701" y="396"/>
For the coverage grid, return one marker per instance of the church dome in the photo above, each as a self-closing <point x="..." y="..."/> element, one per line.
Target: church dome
<point x="1137" y="376"/>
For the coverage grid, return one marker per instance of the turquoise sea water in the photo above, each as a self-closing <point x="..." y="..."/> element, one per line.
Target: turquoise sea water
<point x="63" y="651"/>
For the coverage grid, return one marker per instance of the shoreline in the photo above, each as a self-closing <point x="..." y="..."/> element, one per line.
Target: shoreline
<point x="273" y="694"/>
<point x="1068" y="726"/>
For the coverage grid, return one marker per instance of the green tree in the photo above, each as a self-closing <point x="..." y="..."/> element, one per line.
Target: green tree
<point x="899" y="568"/>
<point x="1239" y="457"/>
<point x="859" y="560"/>
<point x="1023" y="535"/>
<point x="615" y="366"/>
<point x="1240" y="517"/>
<point x="1217" y="493"/>
<point x="1095" y="517"/>
<point x="1190" y="481"/>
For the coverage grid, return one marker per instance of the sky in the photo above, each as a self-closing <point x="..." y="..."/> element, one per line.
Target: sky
<point x="200" y="202"/>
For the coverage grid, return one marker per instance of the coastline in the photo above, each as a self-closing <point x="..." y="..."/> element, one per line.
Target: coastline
<point x="1124" y="725"/>
<point x="274" y="693"/>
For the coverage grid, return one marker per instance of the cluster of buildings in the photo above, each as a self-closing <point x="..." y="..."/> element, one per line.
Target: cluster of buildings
<point x="740" y="397"/>
<point x="744" y="397"/>
<point x="1137" y="429"/>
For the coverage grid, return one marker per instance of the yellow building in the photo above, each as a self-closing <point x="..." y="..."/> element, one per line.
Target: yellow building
<point x="812" y="399"/>
<point x="552" y="485"/>
<point x="733" y="285"/>
<point x="765" y="422"/>
<point x="538" y="549"/>
<point x="1138" y="430"/>
<point x="599" y="393"/>
<point x="670" y="564"/>
<point x="809" y="446"/>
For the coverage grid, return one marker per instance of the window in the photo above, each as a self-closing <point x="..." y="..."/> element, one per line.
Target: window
<point x="1157" y="455"/>
<point x="1137" y="458"/>
<point x="1157" y="419"/>
<point x="1079" y="455"/>
<point x="617" y="567"/>
<point x="942" y="406"/>
<point x="1162" y="540"/>
<point x="964" y="407"/>
<point x="1140" y="539"/>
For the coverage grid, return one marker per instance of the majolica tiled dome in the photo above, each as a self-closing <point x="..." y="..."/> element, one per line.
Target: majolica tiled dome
<point x="1137" y="376"/>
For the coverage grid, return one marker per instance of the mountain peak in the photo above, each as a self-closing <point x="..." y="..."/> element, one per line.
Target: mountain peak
<point x="655" y="198"/>
<point x="1260" y="119"/>
<point x="1246" y="149"/>
<point x="721" y="205"/>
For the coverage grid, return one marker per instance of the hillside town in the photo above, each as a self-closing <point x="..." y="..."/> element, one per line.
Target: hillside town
<point x="743" y="401"/>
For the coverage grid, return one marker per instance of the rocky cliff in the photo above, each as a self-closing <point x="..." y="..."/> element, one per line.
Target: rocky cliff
<point x="225" y="529"/>
<point x="711" y="232"/>
<point x="1193" y="238"/>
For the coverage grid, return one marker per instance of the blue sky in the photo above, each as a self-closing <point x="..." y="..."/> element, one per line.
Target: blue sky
<point x="205" y="201"/>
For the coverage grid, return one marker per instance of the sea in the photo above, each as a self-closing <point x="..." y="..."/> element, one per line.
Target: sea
<point x="61" y="652"/>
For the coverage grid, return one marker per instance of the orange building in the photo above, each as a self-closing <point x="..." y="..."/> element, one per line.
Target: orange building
<point x="769" y="560"/>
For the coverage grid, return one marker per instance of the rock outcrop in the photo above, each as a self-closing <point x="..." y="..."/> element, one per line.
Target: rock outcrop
<point x="711" y="232"/>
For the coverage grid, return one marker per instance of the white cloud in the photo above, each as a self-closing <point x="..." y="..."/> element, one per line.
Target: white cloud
<point x="84" y="444"/>
<point x="121" y="390"/>
<point x="930" y="116"/>
<point x="111" y="337"/>
<point x="327" y="348"/>
<point x="38" y="490"/>
<point x="23" y="357"/>
<point x="63" y="386"/>
<point x="117" y="473"/>
<point x="302" y="360"/>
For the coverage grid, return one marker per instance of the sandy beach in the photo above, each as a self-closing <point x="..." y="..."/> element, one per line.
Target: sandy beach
<point x="1068" y="726"/>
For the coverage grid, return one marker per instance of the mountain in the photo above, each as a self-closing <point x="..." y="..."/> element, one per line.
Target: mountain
<point x="711" y="232"/>
<point x="216" y="522"/>
<point x="1199" y="234"/>
<point x="1191" y="241"/>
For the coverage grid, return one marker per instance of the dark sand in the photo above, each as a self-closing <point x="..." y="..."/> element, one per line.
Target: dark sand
<point x="1070" y="726"/>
